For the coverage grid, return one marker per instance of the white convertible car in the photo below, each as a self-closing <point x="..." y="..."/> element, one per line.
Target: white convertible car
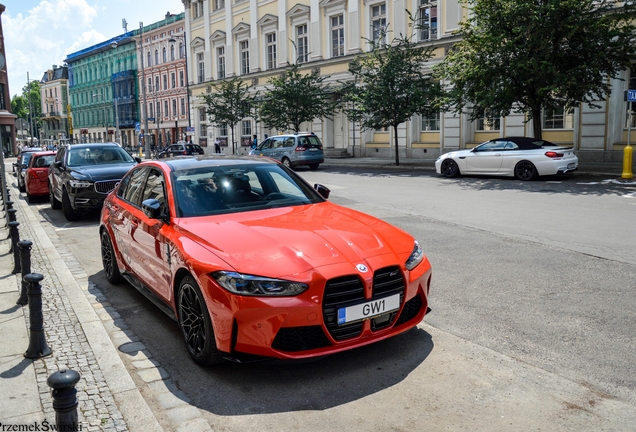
<point x="522" y="157"/>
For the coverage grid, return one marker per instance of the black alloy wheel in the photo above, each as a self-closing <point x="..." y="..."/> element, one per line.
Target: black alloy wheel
<point x="67" y="208"/>
<point x="449" y="168"/>
<point x="55" y="204"/>
<point x="196" y="325"/>
<point x="108" y="259"/>
<point x="525" y="170"/>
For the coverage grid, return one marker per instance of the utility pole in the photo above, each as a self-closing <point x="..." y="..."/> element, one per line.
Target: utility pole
<point x="143" y="87"/>
<point x="30" y="108"/>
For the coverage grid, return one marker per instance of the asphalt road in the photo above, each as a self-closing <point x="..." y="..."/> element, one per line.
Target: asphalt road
<point x="532" y="325"/>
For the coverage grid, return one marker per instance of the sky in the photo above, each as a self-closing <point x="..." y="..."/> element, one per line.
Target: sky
<point x="41" y="33"/>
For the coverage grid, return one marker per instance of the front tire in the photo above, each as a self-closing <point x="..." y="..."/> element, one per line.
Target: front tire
<point x="195" y="324"/>
<point x="55" y="204"/>
<point x="286" y="162"/>
<point x="525" y="170"/>
<point x="449" y="168"/>
<point x="67" y="208"/>
<point x="108" y="259"/>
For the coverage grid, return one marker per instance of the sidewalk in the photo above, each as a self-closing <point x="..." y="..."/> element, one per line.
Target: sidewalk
<point x="75" y="317"/>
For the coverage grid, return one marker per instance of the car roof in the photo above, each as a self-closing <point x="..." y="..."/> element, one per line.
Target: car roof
<point x="526" y="143"/>
<point x="93" y="145"/>
<point x="185" y="163"/>
<point x="44" y="153"/>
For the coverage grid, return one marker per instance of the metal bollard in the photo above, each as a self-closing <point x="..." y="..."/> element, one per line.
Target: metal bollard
<point x="12" y="214"/>
<point x="25" y="264"/>
<point x="38" y="347"/>
<point x="15" y="238"/>
<point x="64" y="398"/>
<point x="9" y="204"/>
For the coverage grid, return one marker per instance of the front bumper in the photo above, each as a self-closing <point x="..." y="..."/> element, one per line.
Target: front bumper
<point x="297" y="327"/>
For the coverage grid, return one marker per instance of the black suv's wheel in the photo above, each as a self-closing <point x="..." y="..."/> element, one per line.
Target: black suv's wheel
<point x="108" y="259"/>
<point x="286" y="162"/>
<point x="67" y="208"/>
<point x="196" y="325"/>
<point x="55" y="204"/>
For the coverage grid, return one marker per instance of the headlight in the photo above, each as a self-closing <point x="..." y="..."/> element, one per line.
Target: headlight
<point x="256" y="285"/>
<point x="80" y="184"/>
<point x="416" y="257"/>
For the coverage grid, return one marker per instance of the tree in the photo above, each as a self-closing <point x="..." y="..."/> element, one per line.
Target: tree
<point x="527" y="55"/>
<point x="295" y="98"/>
<point x="390" y="85"/>
<point x="20" y="107"/>
<point x="229" y="102"/>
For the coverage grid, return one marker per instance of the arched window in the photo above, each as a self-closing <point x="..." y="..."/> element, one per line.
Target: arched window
<point x="171" y="52"/>
<point x="148" y="59"/>
<point x="165" y="59"/>
<point x="156" y="57"/>
<point x="181" y="51"/>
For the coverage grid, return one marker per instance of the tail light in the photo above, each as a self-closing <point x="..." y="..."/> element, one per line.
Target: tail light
<point x="299" y="148"/>
<point x="185" y="152"/>
<point x="553" y="154"/>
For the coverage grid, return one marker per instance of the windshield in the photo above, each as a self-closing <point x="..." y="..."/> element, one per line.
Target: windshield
<point x="238" y="188"/>
<point x="98" y="156"/>
<point x="43" y="161"/>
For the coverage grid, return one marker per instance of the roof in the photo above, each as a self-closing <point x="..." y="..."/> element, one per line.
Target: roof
<point x="185" y="163"/>
<point x="526" y="143"/>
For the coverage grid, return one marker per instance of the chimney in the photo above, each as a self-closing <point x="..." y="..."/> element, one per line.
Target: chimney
<point x="168" y="14"/>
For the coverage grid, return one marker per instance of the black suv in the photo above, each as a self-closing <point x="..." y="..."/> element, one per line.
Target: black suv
<point x="181" y="149"/>
<point x="83" y="174"/>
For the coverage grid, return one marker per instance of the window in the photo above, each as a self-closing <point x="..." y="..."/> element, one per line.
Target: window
<point x="200" y="68"/>
<point x="220" y="62"/>
<point x="223" y="131"/>
<point x="173" y="79"/>
<point x="431" y="122"/>
<point x="149" y="84"/>
<point x="427" y="20"/>
<point x="182" y="106"/>
<point x="150" y="110"/>
<point x="488" y="123"/>
<point x="203" y="130"/>
<point x="246" y="127"/>
<point x="181" y="79"/>
<point x="378" y="22"/>
<point x="337" y="35"/>
<point x="197" y="9"/>
<point x="158" y="111"/>
<point x="156" y="83"/>
<point x="271" y="50"/>
<point x="245" y="57"/>
<point x="302" y="44"/>
<point x="202" y="116"/>
<point x="156" y="57"/>
<point x="165" y="58"/>
<point x="172" y="52"/>
<point x="218" y="4"/>
<point x="165" y="82"/>
<point x="181" y="51"/>
<point x="166" y="113"/>
<point x="558" y="119"/>
<point x="174" y="108"/>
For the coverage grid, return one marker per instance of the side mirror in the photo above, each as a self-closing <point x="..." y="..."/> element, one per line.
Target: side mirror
<point x="322" y="190"/>
<point x="152" y="208"/>
<point x="138" y="159"/>
<point x="58" y="164"/>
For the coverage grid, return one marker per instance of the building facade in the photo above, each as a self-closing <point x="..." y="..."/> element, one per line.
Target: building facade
<point x="256" y="39"/>
<point x="7" y="119"/>
<point x="55" y="106"/>
<point x="167" y="108"/>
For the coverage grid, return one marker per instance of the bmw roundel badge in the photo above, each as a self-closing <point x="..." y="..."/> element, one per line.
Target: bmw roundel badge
<point x="362" y="268"/>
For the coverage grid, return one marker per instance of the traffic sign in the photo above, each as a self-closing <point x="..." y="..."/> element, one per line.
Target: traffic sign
<point x="137" y="127"/>
<point x="189" y="129"/>
<point x="631" y="95"/>
<point x="151" y="119"/>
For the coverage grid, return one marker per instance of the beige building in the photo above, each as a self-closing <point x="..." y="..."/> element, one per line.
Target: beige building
<point x="55" y="106"/>
<point x="256" y="39"/>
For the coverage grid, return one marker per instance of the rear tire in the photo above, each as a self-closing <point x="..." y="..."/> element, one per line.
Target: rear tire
<point x="67" y="208"/>
<point x="525" y="170"/>
<point x="286" y="162"/>
<point x="313" y="166"/>
<point x="109" y="261"/>
<point x="29" y="198"/>
<point x="195" y="324"/>
<point x="55" y="204"/>
<point x="21" y="187"/>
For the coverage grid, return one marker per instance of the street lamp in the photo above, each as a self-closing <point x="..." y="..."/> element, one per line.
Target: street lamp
<point x="143" y="87"/>
<point x="187" y="77"/>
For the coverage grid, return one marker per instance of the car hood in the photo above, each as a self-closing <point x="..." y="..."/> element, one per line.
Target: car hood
<point x="291" y="240"/>
<point x="102" y="172"/>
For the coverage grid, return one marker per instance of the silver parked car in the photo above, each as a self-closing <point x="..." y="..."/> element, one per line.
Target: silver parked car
<point x="292" y="150"/>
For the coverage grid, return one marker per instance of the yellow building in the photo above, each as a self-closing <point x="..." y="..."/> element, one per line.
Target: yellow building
<point x="256" y="39"/>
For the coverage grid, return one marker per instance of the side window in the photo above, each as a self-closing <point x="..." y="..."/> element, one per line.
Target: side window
<point x="511" y="146"/>
<point x="265" y="144"/>
<point x="289" y="142"/>
<point x="123" y="184"/>
<point x="60" y="154"/>
<point x="134" y="188"/>
<point x="155" y="189"/>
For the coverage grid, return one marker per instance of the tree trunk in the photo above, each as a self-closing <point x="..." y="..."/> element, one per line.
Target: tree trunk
<point x="232" y="127"/>
<point x="536" y="122"/>
<point x="397" y="154"/>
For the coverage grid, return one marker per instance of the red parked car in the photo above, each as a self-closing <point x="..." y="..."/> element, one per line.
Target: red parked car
<point x="36" y="178"/>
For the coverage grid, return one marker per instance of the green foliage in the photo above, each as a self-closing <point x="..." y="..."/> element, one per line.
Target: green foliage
<point x="528" y="55"/>
<point x="20" y="104"/>
<point x="229" y="102"/>
<point x="390" y="85"/>
<point x="20" y="107"/>
<point x="295" y="98"/>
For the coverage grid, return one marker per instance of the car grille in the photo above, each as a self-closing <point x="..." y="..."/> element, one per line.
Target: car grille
<point x="410" y="310"/>
<point x="349" y="290"/>
<point x="105" y="186"/>
<point x="292" y="339"/>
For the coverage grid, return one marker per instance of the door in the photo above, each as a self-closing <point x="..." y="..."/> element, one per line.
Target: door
<point x="486" y="158"/>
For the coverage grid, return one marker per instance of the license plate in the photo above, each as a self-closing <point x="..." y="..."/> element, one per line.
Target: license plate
<point x="571" y="165"/>
<point x="313" y="149"/>
<point x="368" y="309"/>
